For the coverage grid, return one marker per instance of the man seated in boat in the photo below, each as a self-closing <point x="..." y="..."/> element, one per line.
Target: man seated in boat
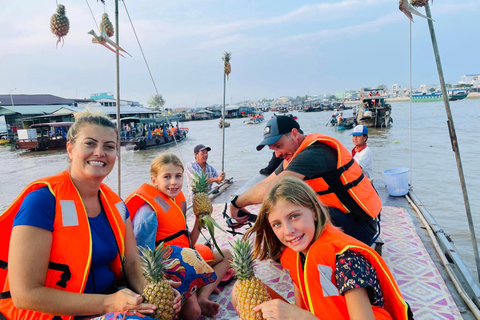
<point x="328" y="167"/>
<point x="199" y="164"/>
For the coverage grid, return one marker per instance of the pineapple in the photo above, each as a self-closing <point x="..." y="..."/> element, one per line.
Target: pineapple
<point x="250" y="291"/>
<point x="419" y="3"/>
<point x="202" y="206"/>
<point x="227" y="67"/>
<point x="106" y="25"/>
<point x="59" y="23"/>
<point x="158" y="290"/>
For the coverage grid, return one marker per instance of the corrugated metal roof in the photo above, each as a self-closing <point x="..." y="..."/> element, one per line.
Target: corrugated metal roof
<point x="33" y="99"/>
<point x="31" y="110"/>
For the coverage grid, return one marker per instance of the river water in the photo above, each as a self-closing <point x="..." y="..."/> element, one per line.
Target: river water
<point x="422" y="144"/>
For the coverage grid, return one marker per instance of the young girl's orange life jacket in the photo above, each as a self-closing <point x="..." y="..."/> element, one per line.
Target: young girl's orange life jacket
<point x="172" y="226"/>
<point x="318" y="286"/>
<point x="71" y="251"/>
<point x="346" y="188"/>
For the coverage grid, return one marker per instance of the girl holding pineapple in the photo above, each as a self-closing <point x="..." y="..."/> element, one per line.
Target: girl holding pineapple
<point x="158" y="213"/>
<point x="335" y="276"/>
<point x="67" y="238"/>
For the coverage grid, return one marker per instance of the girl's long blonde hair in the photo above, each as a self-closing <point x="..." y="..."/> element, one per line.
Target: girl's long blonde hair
<point x="297" y="192"/>
<point x="162" y="160"/>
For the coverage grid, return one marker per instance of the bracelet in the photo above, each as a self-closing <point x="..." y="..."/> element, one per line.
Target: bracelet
<point x="234" y="202"/>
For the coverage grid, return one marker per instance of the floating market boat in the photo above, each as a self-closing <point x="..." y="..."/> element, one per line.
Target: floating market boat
<point x="375" y="112"/>
<point x="43" y="136"/>
<point x="453" y="95"/>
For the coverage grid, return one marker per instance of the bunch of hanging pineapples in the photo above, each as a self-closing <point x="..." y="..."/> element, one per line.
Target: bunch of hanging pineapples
<point x="226" y="60"/>
<point x="106" y="25"/>
<point x="250" y="291"/>
<point x="202" y="205"/>
<point x="419" y="3"/>
<point x="59" y="23"/>
<point x="158" y="290"/>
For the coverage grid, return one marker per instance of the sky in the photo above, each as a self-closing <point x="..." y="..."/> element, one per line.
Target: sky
<point x="279" y="48"/>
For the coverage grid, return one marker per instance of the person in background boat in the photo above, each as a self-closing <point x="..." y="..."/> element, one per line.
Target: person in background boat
<point x="361" y="152"/>
<point x="335" y="276"/>
<point x="272" y="165"/>
<point x="199" y="164"/>
<point x="71" y="237"/>
<point x="354" y="110"/>
<point x="328" y="167"/>
<point x="166" y="222"/>
<point x="339" y="118"/>
<point x="377" y="94"/>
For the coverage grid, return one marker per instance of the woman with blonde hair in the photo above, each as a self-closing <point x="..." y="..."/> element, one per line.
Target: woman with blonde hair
<point x="67" y="239"/>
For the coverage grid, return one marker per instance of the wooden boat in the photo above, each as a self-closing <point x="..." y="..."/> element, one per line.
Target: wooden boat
<point x="226" y="124"/>
<point x="346" y="123"/>
<point x="375" y="112"/>
<point x="146" y="133"/>
<point x="43" y="136"/>
<point x="257" y="119"/>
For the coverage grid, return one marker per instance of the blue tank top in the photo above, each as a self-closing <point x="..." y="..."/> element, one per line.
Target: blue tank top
<point x="38" y="210"/>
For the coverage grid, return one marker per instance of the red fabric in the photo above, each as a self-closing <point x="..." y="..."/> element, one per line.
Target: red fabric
<point x="354" y="150"/>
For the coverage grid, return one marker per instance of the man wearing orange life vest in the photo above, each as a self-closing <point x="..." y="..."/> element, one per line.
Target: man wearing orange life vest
<point x="328" y="167"/>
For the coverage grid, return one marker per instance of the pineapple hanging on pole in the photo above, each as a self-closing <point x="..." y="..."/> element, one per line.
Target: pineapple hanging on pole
<point x="106" y="25"/>
<point x="202" y="205"/>
<point x="158" y="290"/>
<point x="250" y="291"/>
<point x="226" y="60"/>
<point x="419" y="3"/>
<point x="59" y="24"/>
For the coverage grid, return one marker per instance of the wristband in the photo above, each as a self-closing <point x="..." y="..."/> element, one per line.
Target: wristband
<point x="233" y="202"/>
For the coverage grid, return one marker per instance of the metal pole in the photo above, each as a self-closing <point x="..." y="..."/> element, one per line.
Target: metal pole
<point x="453" y="139"/>
<point x="119" y="125"/>
<point x="11" y="97"/>
<point x="223" y="119"/>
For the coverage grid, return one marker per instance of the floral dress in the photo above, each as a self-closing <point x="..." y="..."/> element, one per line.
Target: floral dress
<point x="353" y="270"/>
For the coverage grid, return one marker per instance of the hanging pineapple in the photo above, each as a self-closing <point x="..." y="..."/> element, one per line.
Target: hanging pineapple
<point x="227" y="67"/>
<point x="202" y="206"/>
<point x="419" y="3"/>
<point x="158" y="290"/>
<point x="250" y="290"/>
<point x="106" y="25"/>
<point x="59" y="23"/>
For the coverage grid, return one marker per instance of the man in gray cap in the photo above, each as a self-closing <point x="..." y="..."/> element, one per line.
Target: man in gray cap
<point x="199" y="164"/>
<point x="328" y="167"/>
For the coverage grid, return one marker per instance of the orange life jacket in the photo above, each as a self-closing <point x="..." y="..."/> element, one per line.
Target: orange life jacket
<point x="71" y="251"/>
<point x="318" y="286"/>
<point x="346" y="188"/>
<point x="170" y="216"/>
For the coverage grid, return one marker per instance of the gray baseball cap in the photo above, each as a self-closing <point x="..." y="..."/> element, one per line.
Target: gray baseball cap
<point x="276" y="128"/>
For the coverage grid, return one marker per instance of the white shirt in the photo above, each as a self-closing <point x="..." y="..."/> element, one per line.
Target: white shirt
<point x="365" y="159"/>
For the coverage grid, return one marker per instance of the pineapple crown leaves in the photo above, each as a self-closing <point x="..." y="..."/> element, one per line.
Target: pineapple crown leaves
<point x="210" y="223"/>
<point x="226" y="56"/>
<point x="242" y="259"/>
<point x="61" y="9"/>
<point x="200" y="182"/>
<point x="153" y="262"/>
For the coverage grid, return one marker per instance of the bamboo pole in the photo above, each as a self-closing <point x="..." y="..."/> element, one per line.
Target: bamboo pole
<point x="119" y="125"/>
<point x="453" y="139"/>
<point x="223" y="116"/>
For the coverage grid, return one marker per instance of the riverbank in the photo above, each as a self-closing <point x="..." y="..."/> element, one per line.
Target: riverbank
<point x="471" y="95"/>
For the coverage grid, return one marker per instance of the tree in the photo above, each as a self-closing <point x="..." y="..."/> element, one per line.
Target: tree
<point x="332" y="97"/>
<point x="156" y="102"/>
<point x="432" y="89"/>
<point x="383" y="87"/>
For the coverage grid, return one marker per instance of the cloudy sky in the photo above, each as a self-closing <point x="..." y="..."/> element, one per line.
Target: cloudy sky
<point x="281" y="47"/>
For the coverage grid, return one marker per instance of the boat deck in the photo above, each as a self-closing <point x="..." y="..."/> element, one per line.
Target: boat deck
<point x="407" y="250"/>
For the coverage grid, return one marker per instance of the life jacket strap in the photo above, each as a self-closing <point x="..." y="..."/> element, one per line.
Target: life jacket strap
<point x="3" y="264"/>
<point x="5" y="295"/>
<point x="66" y="274"/>
<point x="173" y="236"/>
<point x="2" y="317"/>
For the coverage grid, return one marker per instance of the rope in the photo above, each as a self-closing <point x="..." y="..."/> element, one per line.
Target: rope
<point x="411" y="111"/>
<point x="93" y="16"/>
<point x="151" y="76"/>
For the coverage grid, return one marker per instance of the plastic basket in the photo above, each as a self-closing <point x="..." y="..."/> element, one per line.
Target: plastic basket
<point x="397" y="181"/>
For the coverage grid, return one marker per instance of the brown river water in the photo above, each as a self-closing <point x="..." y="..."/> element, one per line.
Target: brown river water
<point x="421" y="144"/>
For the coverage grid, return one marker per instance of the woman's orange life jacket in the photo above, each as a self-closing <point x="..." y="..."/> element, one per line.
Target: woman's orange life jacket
<point x="71" y="251"/>
<point x="346" y="188"/>
<point x="172" y="226"/>
<point x="318" y="286"/>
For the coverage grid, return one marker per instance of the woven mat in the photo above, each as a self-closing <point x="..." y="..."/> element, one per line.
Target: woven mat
<point x="403" y="251"/>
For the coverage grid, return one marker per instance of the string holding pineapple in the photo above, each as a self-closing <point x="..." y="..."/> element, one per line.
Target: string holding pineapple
<point x="59" y="24"/>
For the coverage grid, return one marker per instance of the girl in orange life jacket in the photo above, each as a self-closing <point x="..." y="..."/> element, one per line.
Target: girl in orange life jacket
<point x="154" y="222"/>
<point x="335" y="276"/>
<point x="70" y="233"/>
